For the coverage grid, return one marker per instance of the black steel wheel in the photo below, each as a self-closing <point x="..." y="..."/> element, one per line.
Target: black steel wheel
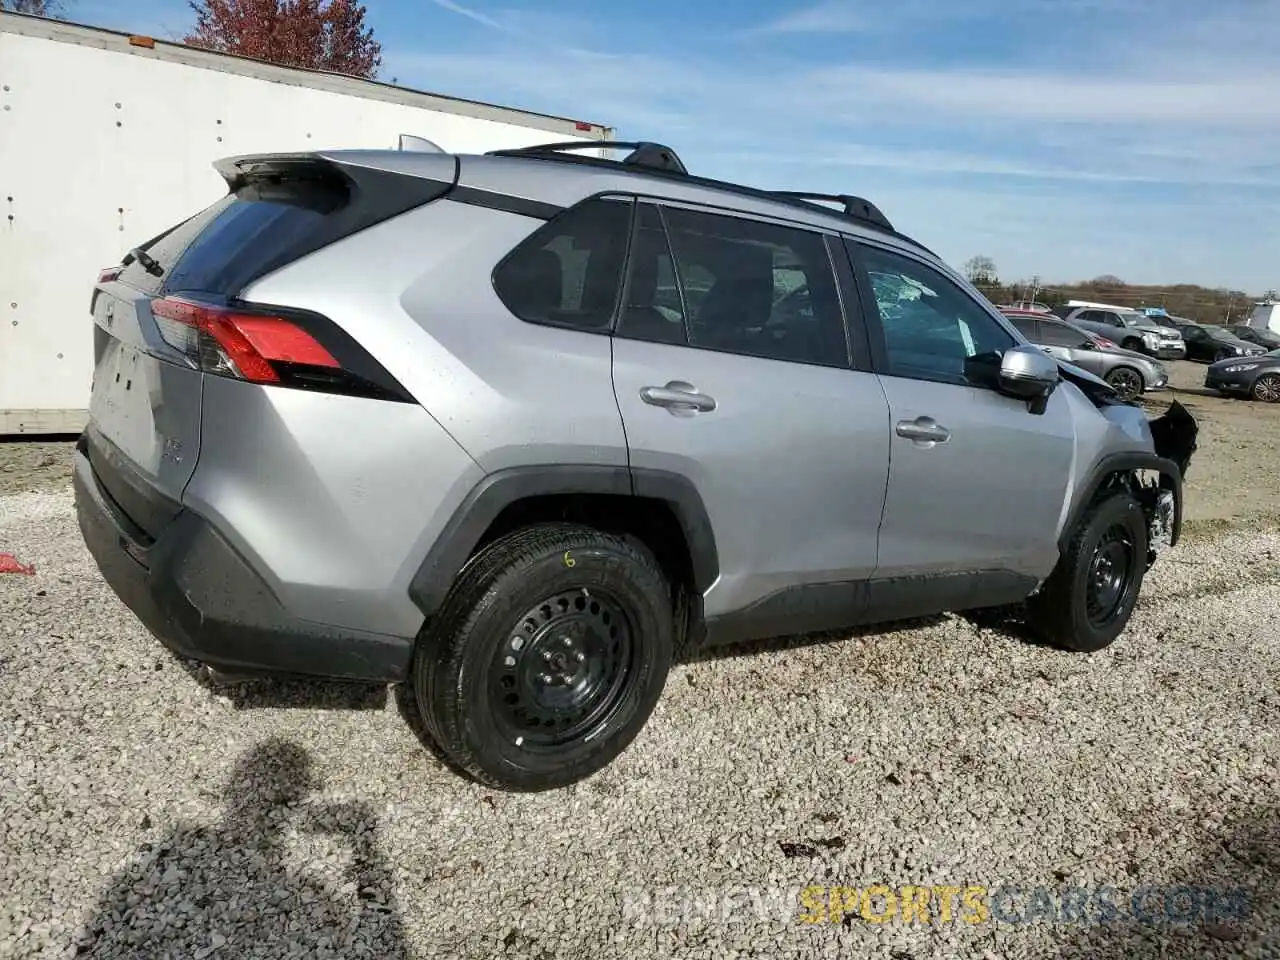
<point x="547" y="657"/>
<point x="563" y="669"/>
<point x="1086" y="602"/>
<point x="1110" y="578"/>
<point x="1267" y="388"/>
<point x="1127" y="382"/>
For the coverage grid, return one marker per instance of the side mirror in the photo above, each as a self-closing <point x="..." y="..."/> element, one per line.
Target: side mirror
<point x="1028" y="374"/>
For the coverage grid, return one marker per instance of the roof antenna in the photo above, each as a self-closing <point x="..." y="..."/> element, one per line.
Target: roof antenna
<point x="417" y="144"/>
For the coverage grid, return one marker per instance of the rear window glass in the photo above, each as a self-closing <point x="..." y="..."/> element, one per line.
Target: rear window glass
<point x="169" y="247"/>
<point x="227" y="245"/>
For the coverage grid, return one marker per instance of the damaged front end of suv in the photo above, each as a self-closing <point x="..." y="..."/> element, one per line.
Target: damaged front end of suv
<point x="1154" y="468"/>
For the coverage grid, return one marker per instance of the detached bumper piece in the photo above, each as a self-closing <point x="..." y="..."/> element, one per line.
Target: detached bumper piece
<point x="199" y="597"/>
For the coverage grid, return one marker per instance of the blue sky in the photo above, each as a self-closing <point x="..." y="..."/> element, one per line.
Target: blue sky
<point x="1065" y="138"/>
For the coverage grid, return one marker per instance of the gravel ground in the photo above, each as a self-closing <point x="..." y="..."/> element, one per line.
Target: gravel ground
<point x="147" y="815"/>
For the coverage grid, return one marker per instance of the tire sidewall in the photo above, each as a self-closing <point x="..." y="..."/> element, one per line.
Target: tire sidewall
<point x="643" y="598"/>
<point x="1123" y="508"/>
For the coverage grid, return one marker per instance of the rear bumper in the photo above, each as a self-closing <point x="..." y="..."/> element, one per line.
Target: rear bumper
<point x="1169" y="351"/>
<point x="200" y="598"/>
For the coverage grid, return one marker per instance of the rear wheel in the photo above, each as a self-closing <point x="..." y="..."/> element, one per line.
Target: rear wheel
<point x="547" y="657"/>
<point x="1127" y="382"/>
<point x="1267" y="388"/>
<point x="1088" y="599"/>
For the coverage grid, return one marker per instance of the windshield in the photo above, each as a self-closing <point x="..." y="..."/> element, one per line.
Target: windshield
<point x="1133" y="318"/>
<point x="1218" y="331"/>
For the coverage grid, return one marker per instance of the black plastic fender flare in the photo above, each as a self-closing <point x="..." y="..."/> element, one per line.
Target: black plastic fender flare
<point x="1108" y="466"/>
<point x="499" y="490"/>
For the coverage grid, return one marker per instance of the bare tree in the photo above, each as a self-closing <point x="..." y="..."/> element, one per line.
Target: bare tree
<point x="981" y="270"/>
<point x="38" y="8"/>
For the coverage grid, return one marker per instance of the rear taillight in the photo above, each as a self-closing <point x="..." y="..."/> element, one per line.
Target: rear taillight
<point x="1104" y="343"/>
<point x="263" y="346"/>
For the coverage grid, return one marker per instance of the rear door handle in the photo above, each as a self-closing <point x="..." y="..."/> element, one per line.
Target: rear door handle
<point x="678" y="396"/>
<point x="923" y="429"/>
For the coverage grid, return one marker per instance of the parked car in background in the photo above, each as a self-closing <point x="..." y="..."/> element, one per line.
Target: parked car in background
<point x="1128" y="372"/>
<point x="1257" y="377"/>
<point x="1131" y="329"/>
<point x="1262" y="338"/>
<point x="1211" y="343"/>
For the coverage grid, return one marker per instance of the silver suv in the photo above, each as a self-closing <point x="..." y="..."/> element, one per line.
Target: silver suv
<point x="1131" y="329"/>
<point x="518" y="428"/>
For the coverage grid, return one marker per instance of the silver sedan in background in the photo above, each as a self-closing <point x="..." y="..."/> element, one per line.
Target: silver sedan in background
<point x="1131" y="374"/>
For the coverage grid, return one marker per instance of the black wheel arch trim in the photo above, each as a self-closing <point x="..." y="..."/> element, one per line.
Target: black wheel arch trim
<point x="1108" y="466"/>
<point x="499" y="490"/>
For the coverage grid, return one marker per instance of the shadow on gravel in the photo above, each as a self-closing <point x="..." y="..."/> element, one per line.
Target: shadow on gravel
<point x="231" y="890"/>
<point x="282" y="693"/>
<point x="1237" y="868"/>
<point x="407" y="706"/>
<point x="753" y="648"/>
<point x="1003" y="621"/>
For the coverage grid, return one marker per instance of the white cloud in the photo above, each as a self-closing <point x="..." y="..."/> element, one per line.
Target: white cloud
<point x="827" y="18"/>
<point x="1152" y="157"/>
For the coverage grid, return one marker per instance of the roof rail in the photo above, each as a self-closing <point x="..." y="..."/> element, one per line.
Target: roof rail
<point x="855" y="207"/>
<point x="660" y="158"/>
<point x="656" y="156"/>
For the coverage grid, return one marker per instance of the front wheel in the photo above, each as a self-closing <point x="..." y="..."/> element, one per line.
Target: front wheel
<point x="1267" y="388"/>
<point x="1088" y="599"/>
<point x="547" y="657"/>
<point x="1127" y="382"/>
<point x="1137" y="346"/>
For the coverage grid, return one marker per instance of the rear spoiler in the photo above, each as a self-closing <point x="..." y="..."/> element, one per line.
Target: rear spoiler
<point x="348" y="170"/>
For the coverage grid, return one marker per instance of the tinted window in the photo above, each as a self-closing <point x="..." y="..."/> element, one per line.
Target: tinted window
<point x="166" y="249"/>
<point x="932" y="328"/>
<point x="568" y="272"/>
<point x="1060" y="335"/>
<point x="1025" y="326"/>
<point x="739" y="286"/>
<point x="654" y="308"/>
<point x="261" y="227"/>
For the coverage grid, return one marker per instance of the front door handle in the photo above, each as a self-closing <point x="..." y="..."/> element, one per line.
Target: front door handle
<point x="923" y="430"/>
<point x="678" y="397"/>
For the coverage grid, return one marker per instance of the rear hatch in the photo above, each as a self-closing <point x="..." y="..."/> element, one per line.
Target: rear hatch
<point x="169" y="315"/>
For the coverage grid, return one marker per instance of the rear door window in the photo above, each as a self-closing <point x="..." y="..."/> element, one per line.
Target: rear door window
<point x="1026" y="326"/>
<point x="1060" y="335"/>
<point x="746" y="287"/>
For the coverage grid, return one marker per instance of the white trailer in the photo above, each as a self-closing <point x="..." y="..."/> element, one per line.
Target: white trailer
<point x="107" y="139"/>
<point x="1265" y="316"/>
